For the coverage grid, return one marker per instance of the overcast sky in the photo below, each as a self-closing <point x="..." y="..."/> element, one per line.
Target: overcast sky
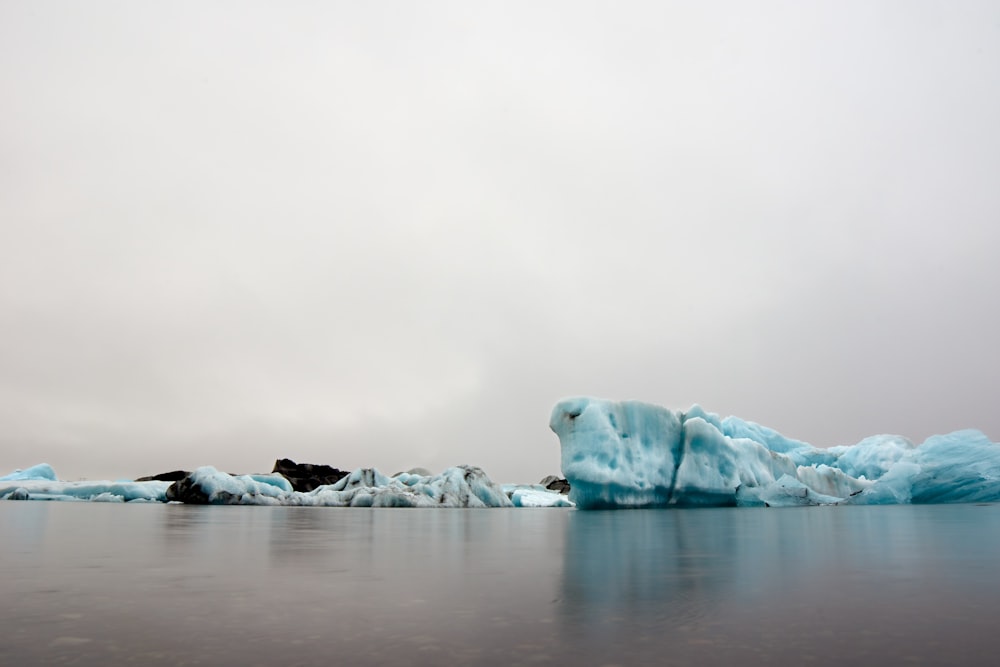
<point x="394" y="234"/>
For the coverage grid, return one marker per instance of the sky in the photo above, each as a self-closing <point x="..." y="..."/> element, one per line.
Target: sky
<point x="395" y="234"/>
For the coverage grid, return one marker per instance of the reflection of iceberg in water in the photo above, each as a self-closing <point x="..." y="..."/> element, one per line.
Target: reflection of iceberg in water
<point x="30" y="524"/>
<point x="724" y="584"/>
<point x="824" y="586"/>
<point x="623" y="570"/>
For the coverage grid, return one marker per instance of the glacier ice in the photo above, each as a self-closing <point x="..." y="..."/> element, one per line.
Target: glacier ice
<point x="460" y="486"/>
<point x="101" y="491"/>
<point x="633" y="454"/>
<point x="42" y="471"/>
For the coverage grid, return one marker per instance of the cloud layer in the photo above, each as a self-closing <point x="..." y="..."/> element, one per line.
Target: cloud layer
<point x="397" y="234"/>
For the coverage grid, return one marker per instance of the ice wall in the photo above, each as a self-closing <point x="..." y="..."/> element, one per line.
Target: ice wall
<point x="632" y="454"/>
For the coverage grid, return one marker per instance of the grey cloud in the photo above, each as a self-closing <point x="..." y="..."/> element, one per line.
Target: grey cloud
<point x="397" y="234"/>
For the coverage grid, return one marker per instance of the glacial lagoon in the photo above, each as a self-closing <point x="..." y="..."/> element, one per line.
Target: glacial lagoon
<point x="111" y="584"/>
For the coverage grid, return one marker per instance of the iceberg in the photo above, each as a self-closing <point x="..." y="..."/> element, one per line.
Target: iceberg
<point x="460" y="486"/>
<point x="39" y="482"/>
<point x="633" y="454"/>
<point x="100" y="491"/>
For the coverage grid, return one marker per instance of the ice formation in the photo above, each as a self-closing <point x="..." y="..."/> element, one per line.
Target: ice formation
<point x="461" y="486"/>
<point x="535" y="495"/>
<point x="42" y="471"/>
<point x="632" y="454"/>
<point x="49" y="490"/>
<point x="100" y="491"/>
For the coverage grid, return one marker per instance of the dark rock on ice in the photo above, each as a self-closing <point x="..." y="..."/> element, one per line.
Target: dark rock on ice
<point x="172" y="476"/>
<point x="187" y="491"/>
<point x="553" y="483"/>
<point x="305" y="477"/>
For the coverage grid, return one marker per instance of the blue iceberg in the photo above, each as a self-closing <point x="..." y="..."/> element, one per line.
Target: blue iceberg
<point x="39" y="482"/>
<point x="42" y="471"/>
<point x="97" y="491"/>
<point x="633" y="454"/>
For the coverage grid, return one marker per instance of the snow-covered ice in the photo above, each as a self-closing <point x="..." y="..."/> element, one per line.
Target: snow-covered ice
<point x="633" y="454"/>
<point x="535" y="495"/>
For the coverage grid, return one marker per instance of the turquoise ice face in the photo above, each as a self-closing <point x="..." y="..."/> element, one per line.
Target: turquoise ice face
<point x="632" y="454"/>
<point x="617" y="454"/>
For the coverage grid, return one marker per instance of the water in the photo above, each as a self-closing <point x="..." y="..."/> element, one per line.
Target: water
<point x="96" y="584"/>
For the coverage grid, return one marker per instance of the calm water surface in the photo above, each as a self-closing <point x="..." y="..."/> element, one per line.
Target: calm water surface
<point x="96" y="584"/>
